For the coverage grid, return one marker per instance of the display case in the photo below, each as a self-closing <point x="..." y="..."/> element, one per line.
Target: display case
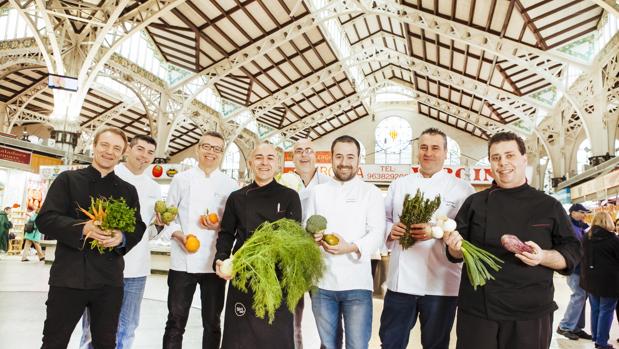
<point x="18" y="218"/>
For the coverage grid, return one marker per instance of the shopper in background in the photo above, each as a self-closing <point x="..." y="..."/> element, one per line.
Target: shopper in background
<point x="193" y="192"/>
<point x="573" y="323"/>
<point x="600" y="276"/>
<point x="32" y="238"/>
<point x="5" y="226"/>
<point x="80" y="277"/>
<point x="139" y="155"/>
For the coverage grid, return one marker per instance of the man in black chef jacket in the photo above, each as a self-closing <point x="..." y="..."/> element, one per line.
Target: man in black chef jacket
<point x="81" y="277"/>
<point x="515" y="310"/>
<point x="264" y="200"/>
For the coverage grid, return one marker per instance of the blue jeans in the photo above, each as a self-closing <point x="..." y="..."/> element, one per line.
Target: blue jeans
<point x="574" y="317"/>
<point x="602" y="312"/>
<point x="355" y="307"/>
<point x="400" y="311"/>
<point x="133" y="292"/>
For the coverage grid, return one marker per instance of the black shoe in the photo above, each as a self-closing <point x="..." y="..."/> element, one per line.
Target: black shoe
<point x="568" y="334"/>
<point x="582" y="334"/>
<point x="607" y="346"/>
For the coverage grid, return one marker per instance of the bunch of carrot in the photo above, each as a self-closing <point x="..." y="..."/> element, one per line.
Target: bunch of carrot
<point x="109" y="214"/>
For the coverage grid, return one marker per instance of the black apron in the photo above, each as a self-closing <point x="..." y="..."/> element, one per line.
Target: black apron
<point x="244" y="330"/>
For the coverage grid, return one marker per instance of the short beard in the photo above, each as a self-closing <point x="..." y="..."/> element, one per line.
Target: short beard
<point x="345" y="179"/>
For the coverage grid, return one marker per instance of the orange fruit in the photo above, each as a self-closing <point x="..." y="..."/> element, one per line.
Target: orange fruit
<point x="192" y="244"/>
<point x="213" y="218"/>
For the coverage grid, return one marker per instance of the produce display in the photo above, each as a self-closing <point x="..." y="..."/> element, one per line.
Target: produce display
<point x="279" y="260"/>
<point x="109" y="214"/>
<point x="416" y="210"/>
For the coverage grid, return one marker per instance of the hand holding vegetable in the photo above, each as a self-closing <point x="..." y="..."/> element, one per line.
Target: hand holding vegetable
<point x="415" y="210"/>
<point x="218" y="270"/>
<point x="341" y="247"/>
<point x="164" y="214"/>
<point x="318" y="237"/>
<point x="453" y="240"/>
<point x="113" y="240"/>
<point x="419" y="231"/>
<point x="108" y="217"/>
<point x="210" y="221"/>
<point x="513" y="244"/>
<point x="93" y="231"/>
<point x="476" y="260"/>
<point x="534" y="258"/>
<point x="397" y="231"/>
<point x="181" y="239"/>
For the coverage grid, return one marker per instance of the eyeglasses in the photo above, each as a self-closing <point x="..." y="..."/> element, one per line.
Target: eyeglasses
<point x="208" y="147"/>
<point x="307" y="151"/>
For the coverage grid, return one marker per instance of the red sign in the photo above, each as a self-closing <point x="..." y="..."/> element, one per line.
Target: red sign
<point x="14" y="155"/>
<point x="322" y="157"/>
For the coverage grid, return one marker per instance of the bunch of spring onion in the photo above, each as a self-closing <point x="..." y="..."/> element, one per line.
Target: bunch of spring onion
<point x="476" y="259"/>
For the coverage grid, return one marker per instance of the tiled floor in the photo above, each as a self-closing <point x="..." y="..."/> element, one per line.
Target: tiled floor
<point x="23" y="291"/>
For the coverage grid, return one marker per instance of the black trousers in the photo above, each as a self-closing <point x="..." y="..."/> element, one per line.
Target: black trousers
<point x="65" y="307"/>
<point x="478" y="333"/>
<point x="182" y="286"/>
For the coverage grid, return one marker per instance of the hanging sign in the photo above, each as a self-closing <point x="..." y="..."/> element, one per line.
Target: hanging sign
<point x="14" y="155"/>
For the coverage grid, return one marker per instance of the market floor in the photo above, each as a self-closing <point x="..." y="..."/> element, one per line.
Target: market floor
<point x="23" y="291"/>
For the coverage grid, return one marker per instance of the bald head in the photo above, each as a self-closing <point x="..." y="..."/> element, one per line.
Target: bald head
<point x="304" y="157"/>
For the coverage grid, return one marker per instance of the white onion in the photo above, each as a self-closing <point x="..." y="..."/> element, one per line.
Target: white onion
<point x="437" y="232"/>
<point x="449" y="225"/>
<point x="226" y="267"/>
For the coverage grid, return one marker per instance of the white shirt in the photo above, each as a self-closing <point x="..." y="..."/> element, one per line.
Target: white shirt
<point x="355" y="211"/>
<point x="137" y="261"/>
<point x="304" y="193"/>
<point x="423" y="269"/>
<point x="193" y="192"/>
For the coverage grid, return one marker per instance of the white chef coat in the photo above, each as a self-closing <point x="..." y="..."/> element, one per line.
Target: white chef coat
<point x="137" y="261"/>
<point x="355" y="210"/>
<point x="423" y="269"/>
<point x="304" y="193"/>
<point x="193" y="192"/>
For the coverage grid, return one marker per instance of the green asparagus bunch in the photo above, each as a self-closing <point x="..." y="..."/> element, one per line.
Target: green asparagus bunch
<point x="416" y="210"/>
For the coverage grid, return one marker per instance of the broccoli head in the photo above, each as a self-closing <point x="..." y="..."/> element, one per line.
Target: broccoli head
<point x="315" y="224"/>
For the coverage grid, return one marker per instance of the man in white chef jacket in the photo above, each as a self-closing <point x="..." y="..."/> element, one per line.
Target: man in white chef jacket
<point x="355" y="213"/>
<point x="194" y="192"/>
<point x="139" y="155"/>
<point x="304" y="157"/>
<point x="421" y="281"/>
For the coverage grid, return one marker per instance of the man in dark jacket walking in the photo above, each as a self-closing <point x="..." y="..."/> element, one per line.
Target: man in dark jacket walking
<point x="81" y="277"/>
<point x="573" y="323"/>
